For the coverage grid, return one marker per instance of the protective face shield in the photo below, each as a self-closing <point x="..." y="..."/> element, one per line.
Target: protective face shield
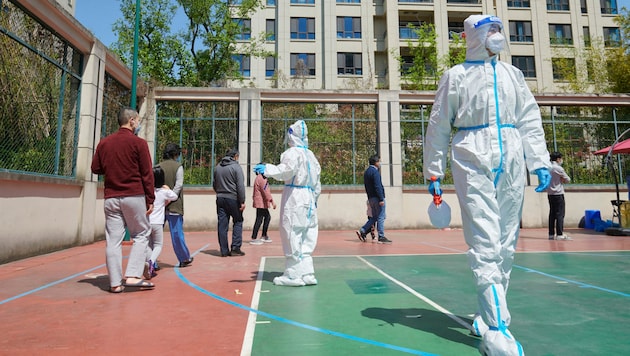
<point x="297" y="135"/>
<point x="483" y="32"/>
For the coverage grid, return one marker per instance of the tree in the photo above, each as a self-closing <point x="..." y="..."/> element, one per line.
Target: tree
<point x="422" y="68"/>
<point x="619" y="63"/>
<point x="162" y="56"/>
<point x="201" y="54"/>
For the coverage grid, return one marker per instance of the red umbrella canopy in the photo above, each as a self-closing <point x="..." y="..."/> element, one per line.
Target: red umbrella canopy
<point x="620" y="147"/>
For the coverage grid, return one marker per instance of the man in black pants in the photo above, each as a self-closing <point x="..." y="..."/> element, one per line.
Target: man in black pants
<point x="555" y="194"/>
<point x="229" y="186"/>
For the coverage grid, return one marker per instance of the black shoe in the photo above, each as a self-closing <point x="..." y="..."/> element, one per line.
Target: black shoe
<point x="384" y="240"/>
<point x="226" y="254"/>
<point x="360" y="235"/>
<point x="237" y="252"/>
<point x="186" y="263"/>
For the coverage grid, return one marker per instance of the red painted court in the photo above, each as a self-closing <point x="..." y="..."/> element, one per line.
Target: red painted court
<point x="414" y="296"/>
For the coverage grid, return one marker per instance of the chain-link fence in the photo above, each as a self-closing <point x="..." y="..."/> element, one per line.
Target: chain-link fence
<point x="40" y="75"/>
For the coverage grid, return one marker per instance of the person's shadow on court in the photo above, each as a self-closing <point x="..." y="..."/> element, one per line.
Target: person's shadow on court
<point x="426" y="320"/>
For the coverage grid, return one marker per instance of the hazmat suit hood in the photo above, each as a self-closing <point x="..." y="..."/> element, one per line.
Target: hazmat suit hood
<point x="476" y="29"/>
<point x="297" y="135"/>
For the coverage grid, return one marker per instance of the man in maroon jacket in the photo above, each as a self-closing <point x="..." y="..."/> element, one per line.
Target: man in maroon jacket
<point x="125" y="161"/>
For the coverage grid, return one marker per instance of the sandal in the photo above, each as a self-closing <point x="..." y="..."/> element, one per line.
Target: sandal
<point x="140" y="284"/>
<point x="117" y="289"/>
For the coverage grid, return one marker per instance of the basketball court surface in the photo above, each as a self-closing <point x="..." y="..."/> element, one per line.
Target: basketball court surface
<point x="415" y="296"/>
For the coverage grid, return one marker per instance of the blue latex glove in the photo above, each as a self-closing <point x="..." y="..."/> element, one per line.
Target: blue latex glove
<point x="544" y="179"/>
<point x="259" y="168"/>
<point x="434" y="187"/>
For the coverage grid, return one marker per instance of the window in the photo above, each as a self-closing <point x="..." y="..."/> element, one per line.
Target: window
<point x="521" y="31"/>
<point x="563" y="68"/>
<point x="270" y="29"/>
<point x="455" y="28"/>
<point x="348" y="27"/>
<point x="349" y="63"/>
<point x="587" y="36"/>
<point x="302" y="64"/>
<point x="302" y="1"/>
<point x="608" y="7"/>
<point x="246" y="29"/>
<point x="526" y="64"/>
<point x="242" y="62"/>
<point x="270" y="66"/>
<point x="560" y="34"/>
<point x="302" y="28"/>
<point x="612" y="37"/>
<point x="349" y="1"/>
<point x="271" y="2"/>
<point x="583" y="7"/>
<point x="558" y="5"/>
<point x="406" y="64"/>
<point x="518" y="3"/>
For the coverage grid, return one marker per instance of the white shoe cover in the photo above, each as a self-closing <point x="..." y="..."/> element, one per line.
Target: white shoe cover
<point x="479" y="327"/>
<point x="500" y="343"/>
<point x="286" y="281"/>
<point x="309" y="279"/>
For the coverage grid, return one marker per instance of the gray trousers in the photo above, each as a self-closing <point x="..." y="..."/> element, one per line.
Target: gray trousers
<point x="132" y="213"/>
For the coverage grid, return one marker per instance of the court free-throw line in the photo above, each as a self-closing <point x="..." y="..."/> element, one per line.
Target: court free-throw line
<point x="419" y="296"/>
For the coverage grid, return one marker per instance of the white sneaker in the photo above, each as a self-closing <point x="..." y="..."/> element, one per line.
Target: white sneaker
<point x="256" y="242"/>
<point x="309" y="279"/>
<point x="266" y="239"/>
<point x="564" y="237"/>
<point x="286" y="281"/>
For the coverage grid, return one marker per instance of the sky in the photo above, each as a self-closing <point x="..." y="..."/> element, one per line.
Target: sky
<point x="99" y="16"/>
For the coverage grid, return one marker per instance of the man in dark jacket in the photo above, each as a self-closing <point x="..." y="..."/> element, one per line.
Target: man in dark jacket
<point x="229" y="187"/>
<point x="376" y="199"/>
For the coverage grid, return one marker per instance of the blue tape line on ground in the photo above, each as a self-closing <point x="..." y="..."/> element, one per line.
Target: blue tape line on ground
<point x="298" y="324"/>
<point x="49" y="284"/>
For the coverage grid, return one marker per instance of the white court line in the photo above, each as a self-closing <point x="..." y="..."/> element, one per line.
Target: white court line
<point x="419" y="296"/>
<point x="248" y="340"/>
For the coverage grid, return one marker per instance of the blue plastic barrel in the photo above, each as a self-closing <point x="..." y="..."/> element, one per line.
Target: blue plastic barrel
<point x="590" y="217"/>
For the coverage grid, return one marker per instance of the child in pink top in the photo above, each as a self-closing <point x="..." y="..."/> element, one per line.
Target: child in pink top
<point x="262" y="200"/>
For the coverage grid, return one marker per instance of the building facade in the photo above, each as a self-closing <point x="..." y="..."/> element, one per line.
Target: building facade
<point x="359" y="44"/>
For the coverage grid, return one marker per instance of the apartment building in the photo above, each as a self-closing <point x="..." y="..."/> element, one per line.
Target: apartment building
<point x="358" y="44"/>
<point x="67" y="5"/>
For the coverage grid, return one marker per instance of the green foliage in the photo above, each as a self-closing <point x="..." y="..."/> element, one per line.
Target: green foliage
<point x="342" y="137"/>
<point x="200" y="55"/>
<point x="204" y="131"/>
<point x="38" y="100"/>
<point x="424" y="70"/>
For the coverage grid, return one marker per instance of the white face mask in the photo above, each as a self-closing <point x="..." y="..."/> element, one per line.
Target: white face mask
<point x="495" y="42"/>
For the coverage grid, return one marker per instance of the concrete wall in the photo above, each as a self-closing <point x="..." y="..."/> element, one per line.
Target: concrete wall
<point x="42" y="214"/>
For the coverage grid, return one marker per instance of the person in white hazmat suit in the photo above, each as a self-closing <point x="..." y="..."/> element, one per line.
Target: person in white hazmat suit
<point x="300" y="171"/>
<point x="498" y="134"/>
